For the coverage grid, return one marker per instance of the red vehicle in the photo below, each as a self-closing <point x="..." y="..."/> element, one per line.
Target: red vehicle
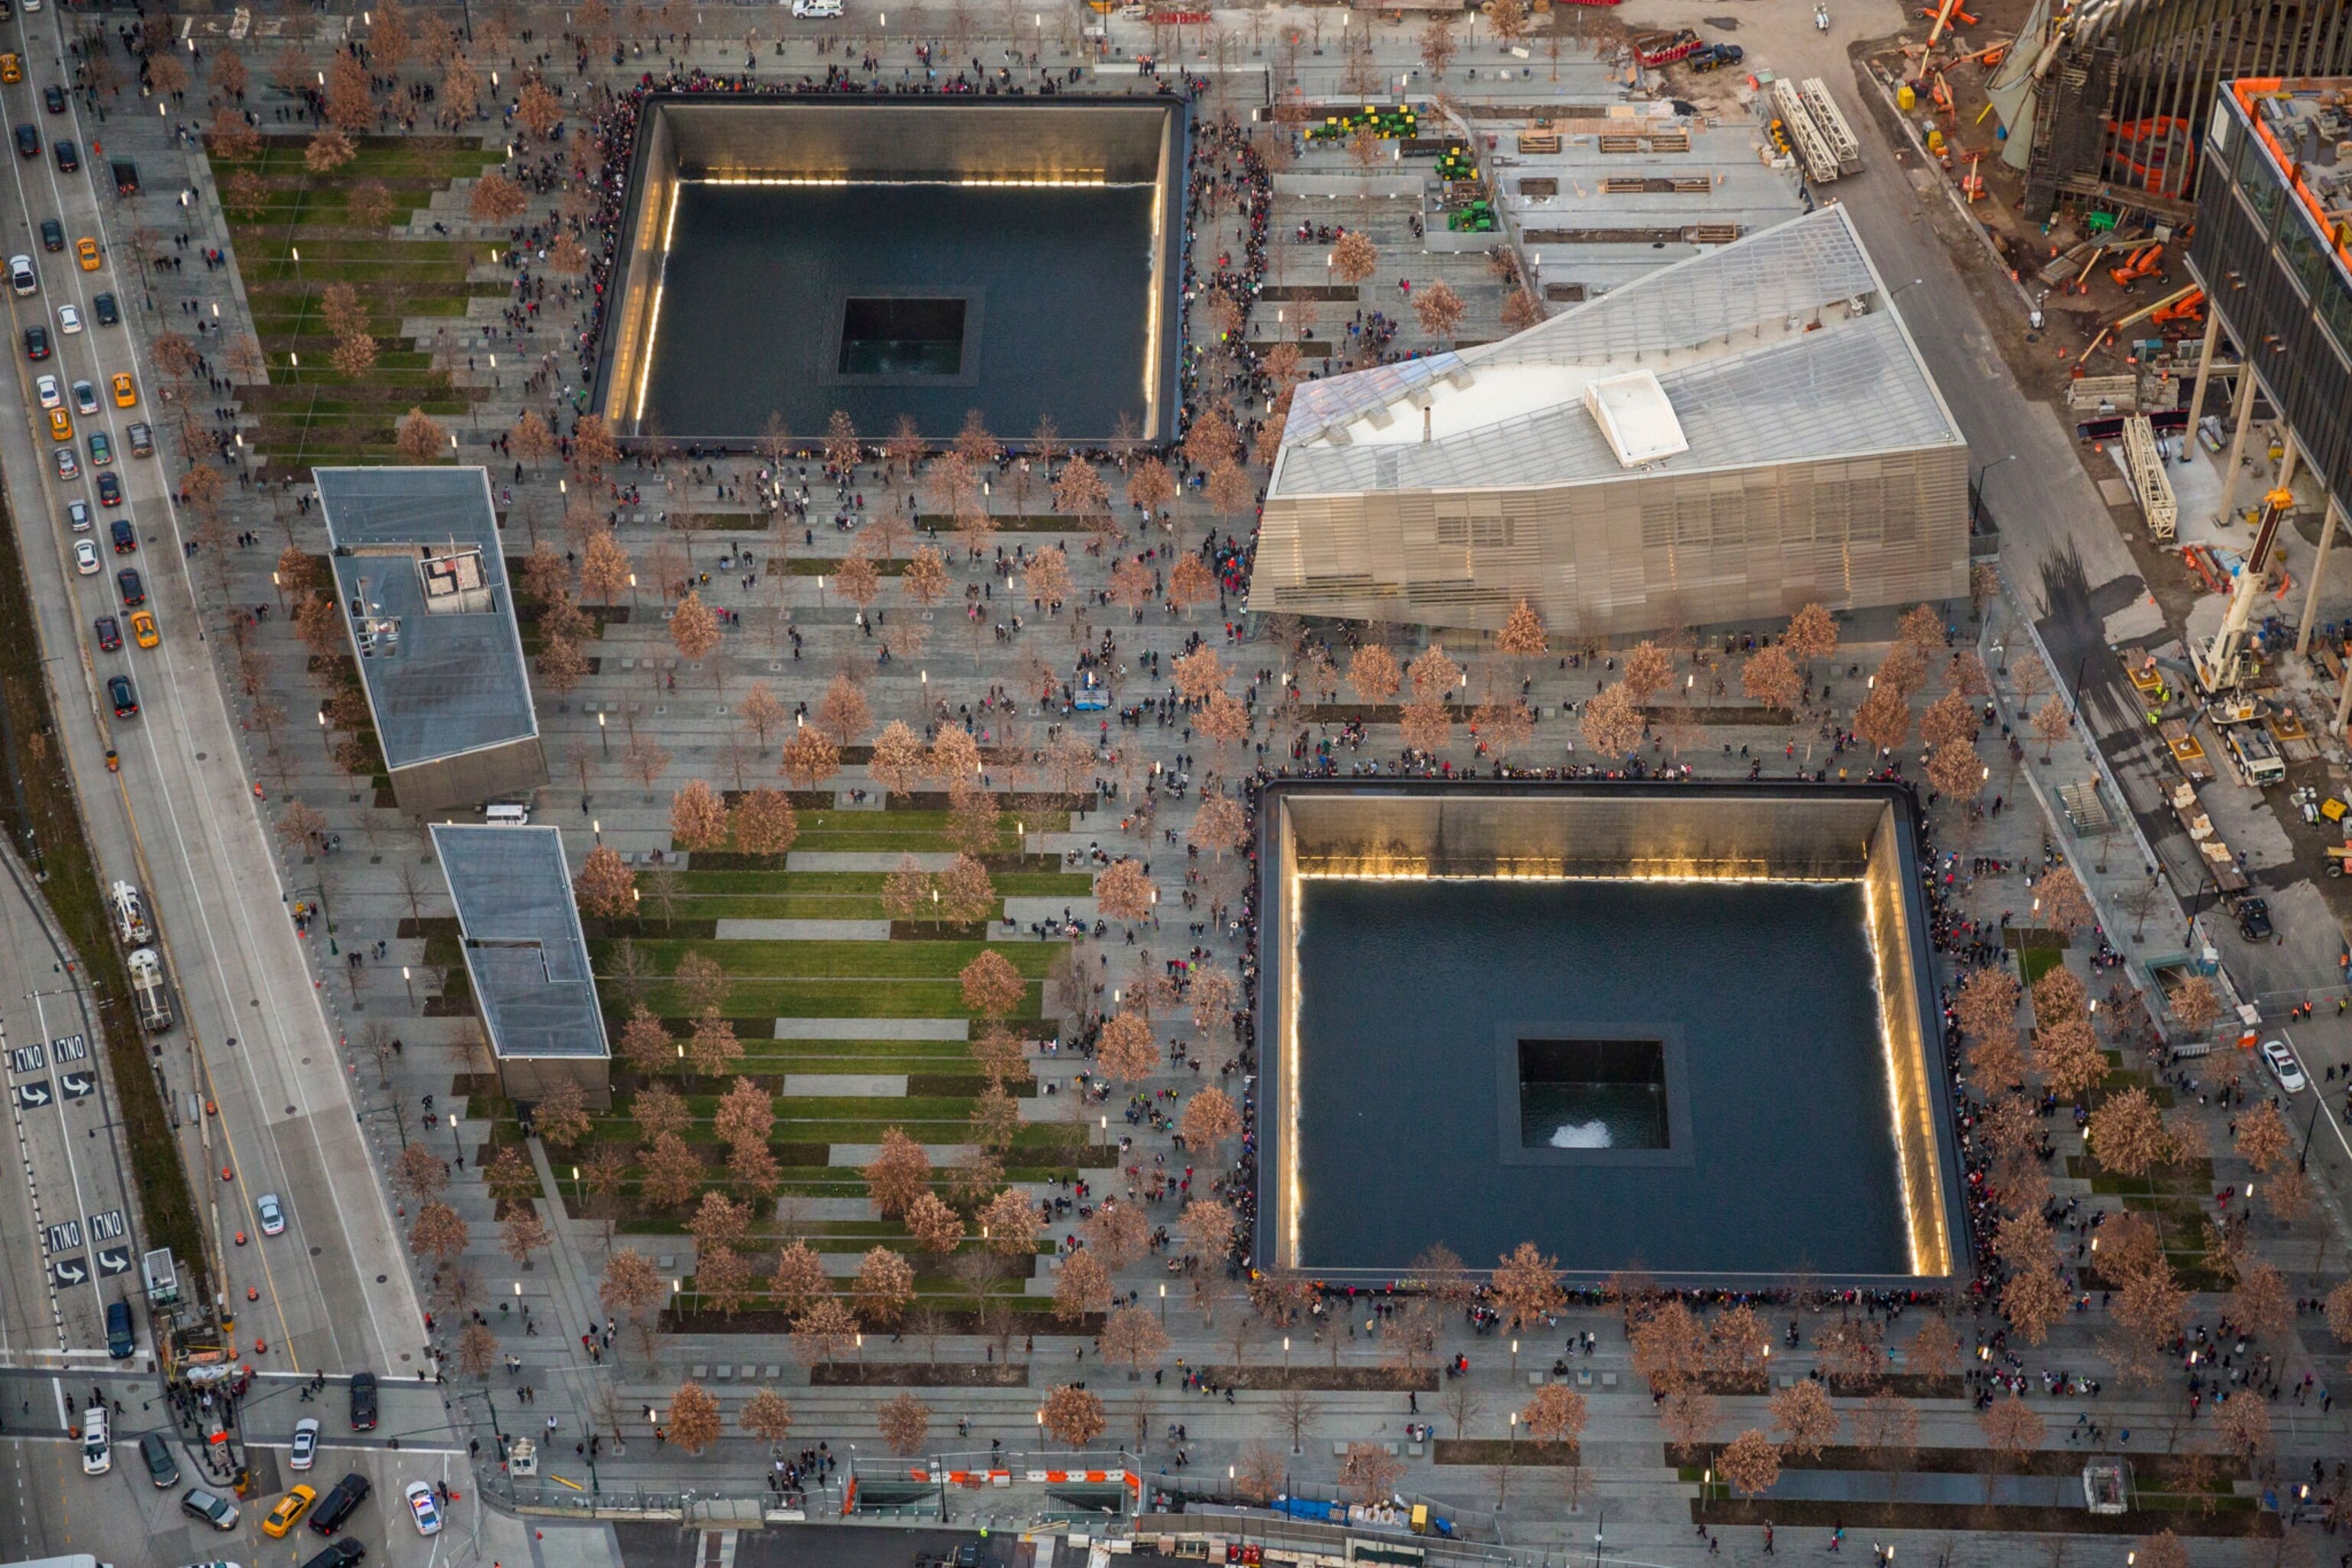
<point x="1653" y="50"/>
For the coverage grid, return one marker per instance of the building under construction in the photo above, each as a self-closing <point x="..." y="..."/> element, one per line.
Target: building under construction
<point x="2106" y="100"/>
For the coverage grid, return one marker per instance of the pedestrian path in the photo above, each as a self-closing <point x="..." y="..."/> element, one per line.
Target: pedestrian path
<point x="864" y="860"/>
<point x="804" y="931"/>
<point x="873" y="1029"/>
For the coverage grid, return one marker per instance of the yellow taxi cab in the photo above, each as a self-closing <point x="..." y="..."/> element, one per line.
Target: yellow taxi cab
<point x="86" y="250"/>
<point x="289" y="1510"/>
<point x="125" y="393"/>
<point x="60" y="428"/>
<point x="12" y="69"/>
<point x="142" y="629"/>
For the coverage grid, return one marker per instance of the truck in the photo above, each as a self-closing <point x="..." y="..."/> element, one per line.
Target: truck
<point x="149" y="991"/>
<point x="130" y="911"/>
<point x="162" y="1272"/>
<point x="79" y="1559"/>
<point x="1714" y="56"/>
<point x="2254" y="754"/>
<point x="1652" y="50"/>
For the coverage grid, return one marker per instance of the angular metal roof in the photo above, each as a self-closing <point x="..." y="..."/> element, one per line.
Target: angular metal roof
<point x="1781" y="347"/>
<point x="523" y="946"/>
<point x="444" y="681"/>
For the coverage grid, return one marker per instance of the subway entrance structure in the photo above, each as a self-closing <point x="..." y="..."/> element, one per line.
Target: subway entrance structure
<point x="1685" y="1028"/>
<point x="787" y="258"/>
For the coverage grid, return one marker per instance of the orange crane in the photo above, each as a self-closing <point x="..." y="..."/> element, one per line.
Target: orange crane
<point x="2142" y="263"/>
<point x="2189" y="307"/>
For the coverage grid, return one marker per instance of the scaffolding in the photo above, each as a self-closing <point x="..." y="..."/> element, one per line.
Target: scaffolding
<point x="2145" y="460"/>
<point x="1813" y="151"/>
<point x="1815" y="95"/>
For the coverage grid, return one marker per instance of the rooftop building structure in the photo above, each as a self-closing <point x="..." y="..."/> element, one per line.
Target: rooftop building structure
<point x="525" y="957"/>
<point x="1725" y="439"/>
<point x="423" y="586"/>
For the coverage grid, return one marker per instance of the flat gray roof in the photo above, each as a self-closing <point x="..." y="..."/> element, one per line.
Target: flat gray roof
<point x="524" y="950"/>
<point x="423" y="585"/>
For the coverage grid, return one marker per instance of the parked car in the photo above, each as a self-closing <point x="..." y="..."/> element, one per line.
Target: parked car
<point x="211" y="1506"/>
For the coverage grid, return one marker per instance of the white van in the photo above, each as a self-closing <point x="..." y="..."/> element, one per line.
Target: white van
<point x="507" y="816"/>
<point x="21" y="275"/>
<point x="819" y="10"/>
<point x="97" y="1453"/>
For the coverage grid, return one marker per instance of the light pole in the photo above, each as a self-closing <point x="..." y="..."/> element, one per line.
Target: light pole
<point x="405" y="979"/>
<point x="456" y="1143"/>
<point x="1976" y="490"/>
<point x="1163" y="1289"/>
<point x="604" y="733"/>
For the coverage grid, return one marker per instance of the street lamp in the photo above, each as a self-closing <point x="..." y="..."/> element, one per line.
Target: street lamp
<point x="1976" y="490"/>
<point x="460" y="1149"/>
<point x="1163" y="1289"/>
<point x="604" y="734"/>
<point x="411" y="984"/>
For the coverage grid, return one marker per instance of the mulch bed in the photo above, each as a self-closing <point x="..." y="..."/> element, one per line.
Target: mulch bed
<point x="1786" y="1514"/>
<point x="1746" y="713"/>
<point x="919" y="1374"/>
<point x="1323" y="1379"/>
<point x="1503" y="1451"/>
<point x="2147" y="1468"/>
<point x="1034" y="1324"/>
<point x="1909" y="1384"/>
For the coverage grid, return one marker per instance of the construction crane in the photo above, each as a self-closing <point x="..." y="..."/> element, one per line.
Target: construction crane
<point x="2225" y="665"/>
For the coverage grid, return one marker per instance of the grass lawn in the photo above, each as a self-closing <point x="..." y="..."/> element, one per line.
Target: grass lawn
<point x="309" y="411"/>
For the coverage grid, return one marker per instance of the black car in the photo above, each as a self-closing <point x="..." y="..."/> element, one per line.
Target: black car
<point x="341" y="1552"/>
<point x="28" y="142"/>
<point x="103" y="307"/>
<point x="117" y="692"/>
<point x="109" y="491"/>
<point x="362" y="1402"/>
<point x="134" y="593"/>
<point x="162" y="1468"/>
<point x="215" y="1509"/>
<point x="126" y="538"/>
<point x="68" y="158"/>
<point x="53" y="96"/>
<point x="110" y="635"/>
<point x="327" y="1514"/>
<point x="37" y="342"/>
<point x="53" y="235"/>
<point x="2254" y="920"/>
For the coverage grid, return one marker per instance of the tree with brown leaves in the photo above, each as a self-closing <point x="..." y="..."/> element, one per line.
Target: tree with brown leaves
<point x="1804" y="1412"/>
<point x="1208" y="1119"/>
<point x="899" y="1172"/>
<point x="1074" y="1415"/>
<point x="1372" y="673"/>
<point x="693" y="1422"/>
<point x="1370" y="1473"/>
<point x="885" y="1285"/>
<point x="905" y="1422"/>
<point x="1750" y="1462"/>
<point x="992" y="987"/>
<point x="1123" y="892"/>
<point x="1526" y="1286"/>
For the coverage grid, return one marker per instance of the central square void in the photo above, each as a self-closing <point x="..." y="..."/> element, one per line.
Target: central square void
<point x="901" y="337"/>
<point x="1592" y="1094"/>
